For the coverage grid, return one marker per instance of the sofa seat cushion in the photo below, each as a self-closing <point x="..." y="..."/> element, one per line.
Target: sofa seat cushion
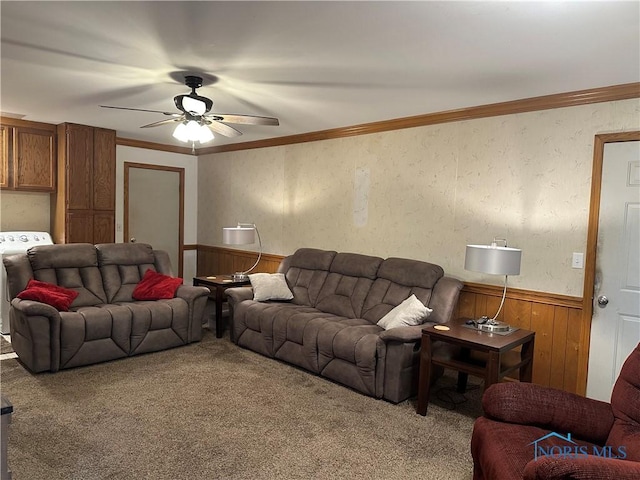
<point x="253" y="323"/>
<point x="94" y="334"/>
<point x="295" y="336"/>
<point x="158" y="324"/>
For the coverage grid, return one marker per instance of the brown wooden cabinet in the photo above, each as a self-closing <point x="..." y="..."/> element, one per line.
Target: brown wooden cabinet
<point x="83" y="207"/>
<point x="28" y="156"/>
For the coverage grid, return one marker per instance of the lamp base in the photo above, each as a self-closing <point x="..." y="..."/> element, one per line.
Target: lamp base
<point x="240" y="277"/>
<point x="495" y="327"/>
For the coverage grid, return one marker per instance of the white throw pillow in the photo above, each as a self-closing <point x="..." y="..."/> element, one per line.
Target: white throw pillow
<point x="270" y="286"/>
<point x="410" y="312"/>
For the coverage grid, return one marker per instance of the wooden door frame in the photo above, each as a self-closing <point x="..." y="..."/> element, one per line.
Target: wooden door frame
<point x="180" y="171"/>
<point x="592" y="246"/>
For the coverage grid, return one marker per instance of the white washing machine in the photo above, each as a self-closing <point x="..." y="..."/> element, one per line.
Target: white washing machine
<point x="10" y="244"/>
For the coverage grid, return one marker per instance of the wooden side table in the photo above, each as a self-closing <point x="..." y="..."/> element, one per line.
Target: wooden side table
<point x="218" y="284"/>
<point x="494" y="347"/>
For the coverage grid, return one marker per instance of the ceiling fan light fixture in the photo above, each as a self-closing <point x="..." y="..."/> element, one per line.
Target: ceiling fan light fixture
<point x="181" y="133"/>
<point x="205" y="134"/>
<point x="192" y="131"/>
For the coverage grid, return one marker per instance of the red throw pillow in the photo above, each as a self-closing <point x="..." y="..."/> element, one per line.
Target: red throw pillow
<point x="155" y="286"/>
<point x="58" y="297"/>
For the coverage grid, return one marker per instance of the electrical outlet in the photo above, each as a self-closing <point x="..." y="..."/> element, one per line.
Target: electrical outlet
<point x="577" y="261"/>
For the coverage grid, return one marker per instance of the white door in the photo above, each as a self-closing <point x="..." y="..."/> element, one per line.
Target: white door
<point x="615" y="327"/>
<point x="153" y="209"/>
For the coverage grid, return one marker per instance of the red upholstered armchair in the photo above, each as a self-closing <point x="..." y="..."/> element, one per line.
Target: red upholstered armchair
<point x="535" y="432"/>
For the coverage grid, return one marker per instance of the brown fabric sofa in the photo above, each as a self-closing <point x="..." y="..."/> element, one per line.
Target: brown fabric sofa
<point x="329" y="328"/>
<point x="506" y="441"/>
<point x="104" y="322"/>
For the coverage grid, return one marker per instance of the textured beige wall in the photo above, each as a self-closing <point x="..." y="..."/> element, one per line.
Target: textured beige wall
<point x="24" y="211"/>
<point x="431" y="190"/>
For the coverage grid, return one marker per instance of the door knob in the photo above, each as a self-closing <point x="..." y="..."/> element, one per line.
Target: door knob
<point x="132" y="239"/>
<point x="602" y="301"/>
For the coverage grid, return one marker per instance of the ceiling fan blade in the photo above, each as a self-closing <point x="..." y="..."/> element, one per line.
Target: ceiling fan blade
<point x="143" y="110"/>
<point x="163" y="122"/>
<point x="222" y="129"/>
<point x="244" y="119"/>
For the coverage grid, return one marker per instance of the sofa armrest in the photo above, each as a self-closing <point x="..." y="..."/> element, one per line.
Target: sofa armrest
<point x="196" y="298"/>
<point x="588" y="468"/>
<point x="238" y="294"/>
<point x="35" y="331"/>
<point x="190" y="293"/>
<point x="549" y="408"/>
<point x="403" y="334"/>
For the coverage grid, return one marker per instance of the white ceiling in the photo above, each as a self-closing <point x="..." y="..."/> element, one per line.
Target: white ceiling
<point x="314" y="65"/>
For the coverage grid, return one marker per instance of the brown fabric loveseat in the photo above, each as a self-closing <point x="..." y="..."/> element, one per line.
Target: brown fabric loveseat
<point x="104" y="321"/>
<point x="329" y="327"/>
<point x="536" y="432"/>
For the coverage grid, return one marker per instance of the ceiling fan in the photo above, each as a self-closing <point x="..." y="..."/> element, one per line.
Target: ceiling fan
<point x="196" y="122"/>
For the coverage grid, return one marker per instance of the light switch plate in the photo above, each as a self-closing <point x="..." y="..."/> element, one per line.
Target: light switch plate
<point x="577" y="261"/>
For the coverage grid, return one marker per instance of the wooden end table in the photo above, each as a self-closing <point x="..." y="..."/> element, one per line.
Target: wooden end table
<point x="500" y="359"/>
<point x="218" y="284"/>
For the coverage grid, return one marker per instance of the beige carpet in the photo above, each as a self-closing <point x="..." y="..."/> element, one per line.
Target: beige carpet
<point x="5" y="347"/>
<point x="212" y="410"/>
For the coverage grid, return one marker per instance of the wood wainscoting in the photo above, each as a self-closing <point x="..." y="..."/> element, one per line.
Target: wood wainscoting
<point x="556" y="319"/>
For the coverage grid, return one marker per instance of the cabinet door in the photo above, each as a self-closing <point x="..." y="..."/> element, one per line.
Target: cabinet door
<point x="104" y="227"/>
<point x="79" y="153"/>
<point x="104" y="169"/>
<point x="79" y="228"/>
<point x="33" y="159"/>
<point x="4" y="152"/>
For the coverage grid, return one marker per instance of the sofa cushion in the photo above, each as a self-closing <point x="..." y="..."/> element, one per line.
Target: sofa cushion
<point x="307" y="272"/>
<point x="398" y="278"/>
<point x="156" y="286"/>
<point x="122" y="266"/>
<point x="410" y="312"/>
<point x="58" y="297"/>
<point x="269" y="286"/>
<point x="74" y="266"/>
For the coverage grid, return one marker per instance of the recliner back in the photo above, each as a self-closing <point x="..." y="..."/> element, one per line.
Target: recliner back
<point x="346" y="287"/>
<point x="122" y="266"/>
<point x="306" y="272"/>
<point x="74" y="266"/>
<point x="397" y="279"/>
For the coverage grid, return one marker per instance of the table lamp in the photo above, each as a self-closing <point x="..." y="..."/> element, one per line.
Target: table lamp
<point x="494" y="260"/>
<point x="243" y="234"/>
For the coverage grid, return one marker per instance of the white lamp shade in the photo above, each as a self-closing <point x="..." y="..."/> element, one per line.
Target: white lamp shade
<point x="493" y="259"/>
<point x="238" y="235"/>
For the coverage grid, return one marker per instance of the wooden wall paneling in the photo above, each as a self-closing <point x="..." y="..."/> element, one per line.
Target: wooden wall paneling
<point x="466" y="305"/>
<point x="517" y="313"/>
<point x="558" y="347"/>
<point x="542" y="324"/>
<point x="572" y="382"/>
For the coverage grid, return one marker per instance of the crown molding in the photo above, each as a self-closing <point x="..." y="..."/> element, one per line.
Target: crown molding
<point x="130" y="142"/>
<point x="546" y="102"/>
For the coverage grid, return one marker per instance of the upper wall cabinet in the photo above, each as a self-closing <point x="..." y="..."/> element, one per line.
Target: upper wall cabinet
<point x="83" y="206"/>
<point x="28" y="151"/>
